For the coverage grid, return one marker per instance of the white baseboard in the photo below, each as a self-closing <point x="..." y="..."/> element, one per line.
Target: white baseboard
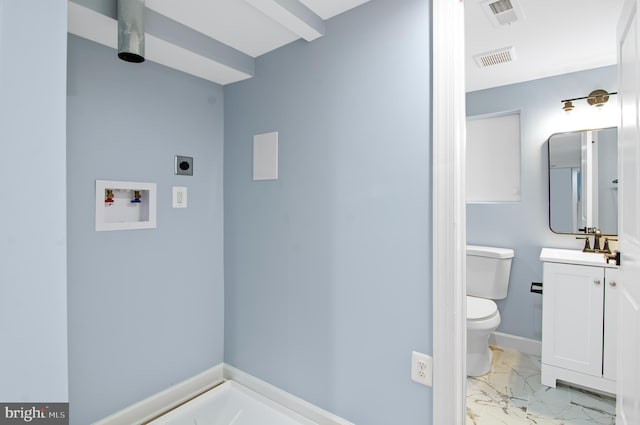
<point x="514" y="342"/>
<point x="151" y="407"/>
<point x="298" y="405"/>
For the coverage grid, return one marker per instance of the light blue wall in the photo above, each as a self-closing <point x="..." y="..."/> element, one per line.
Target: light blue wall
<point x="327" y="270"/>
<point x="33" y="240"/>
<point x="523" y="226"/>
<point x="146" y="307"/>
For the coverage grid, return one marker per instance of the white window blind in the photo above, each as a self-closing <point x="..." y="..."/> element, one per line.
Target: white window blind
<point x="493" y="159"/>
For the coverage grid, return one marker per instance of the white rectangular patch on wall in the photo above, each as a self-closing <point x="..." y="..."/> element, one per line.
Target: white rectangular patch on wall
<point x="493" y="158"/>
<point x="265" y="156"/>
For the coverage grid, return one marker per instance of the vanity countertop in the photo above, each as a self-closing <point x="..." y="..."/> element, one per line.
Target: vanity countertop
<point x="574" y="256"/>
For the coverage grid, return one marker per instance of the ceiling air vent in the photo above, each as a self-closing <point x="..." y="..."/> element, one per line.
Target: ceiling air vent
<point x="502" y="12"/>
<point x="494" y="57"/>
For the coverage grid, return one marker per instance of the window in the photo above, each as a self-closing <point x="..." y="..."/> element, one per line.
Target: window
<point x="493" y="158"/>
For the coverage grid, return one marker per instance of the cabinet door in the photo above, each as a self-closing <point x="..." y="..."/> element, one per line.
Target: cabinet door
<point x="610" y="339"/>
<point x="572" y="312"/>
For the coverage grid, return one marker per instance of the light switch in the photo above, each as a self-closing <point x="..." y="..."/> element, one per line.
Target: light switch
<point x="179" y="197"/>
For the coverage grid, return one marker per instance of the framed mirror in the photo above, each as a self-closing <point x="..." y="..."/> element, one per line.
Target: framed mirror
<point x="583" y="181"/>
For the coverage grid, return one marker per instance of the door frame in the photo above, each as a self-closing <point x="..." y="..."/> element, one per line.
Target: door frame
<point x="449" y="215"/>
<point x="628" y="389"/>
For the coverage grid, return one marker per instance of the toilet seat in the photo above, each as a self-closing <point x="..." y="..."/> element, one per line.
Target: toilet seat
<point x="483" y="318"/>
<point x="480" y="309"/>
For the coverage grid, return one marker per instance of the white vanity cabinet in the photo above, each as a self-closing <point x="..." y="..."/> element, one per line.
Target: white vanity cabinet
<point x="579" y="308"/>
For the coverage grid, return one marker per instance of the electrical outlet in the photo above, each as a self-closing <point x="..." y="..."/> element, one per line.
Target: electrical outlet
<point x="421" y="368"/>
<point x="183" y="165"/>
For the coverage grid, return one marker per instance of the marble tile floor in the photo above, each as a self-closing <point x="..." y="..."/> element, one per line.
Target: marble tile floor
<point x="511" y="394"/>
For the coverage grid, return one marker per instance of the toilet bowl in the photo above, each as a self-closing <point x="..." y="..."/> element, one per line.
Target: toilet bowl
<point x="488" y="270"/>
<point x="483" y="318"/>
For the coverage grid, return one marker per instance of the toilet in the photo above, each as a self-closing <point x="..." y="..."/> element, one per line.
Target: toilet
<point x="488" y="270"/>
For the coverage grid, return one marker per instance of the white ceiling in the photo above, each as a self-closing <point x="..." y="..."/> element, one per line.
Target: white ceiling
<point x="230" y="32"/>
<point x="233" y="22"/>
<point x="219" y="39"/>
<point x="555" y="37"/>
<point x="240" y="25"/>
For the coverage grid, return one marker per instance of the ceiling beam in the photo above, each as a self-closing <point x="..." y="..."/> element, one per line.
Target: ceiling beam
<point x="168" y="42"/>
<point x="293" y="15"/>
<point x="182" y="36"/>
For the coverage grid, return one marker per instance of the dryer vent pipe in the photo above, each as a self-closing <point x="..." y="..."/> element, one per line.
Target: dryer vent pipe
<point x="131" y="30"/>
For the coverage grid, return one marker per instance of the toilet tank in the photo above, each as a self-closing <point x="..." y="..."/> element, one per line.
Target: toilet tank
<point x="488" y="271"/>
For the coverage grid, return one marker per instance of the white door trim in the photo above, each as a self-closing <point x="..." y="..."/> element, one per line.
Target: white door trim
<point x="449" y="217"/>
<point x="628" y="327"/>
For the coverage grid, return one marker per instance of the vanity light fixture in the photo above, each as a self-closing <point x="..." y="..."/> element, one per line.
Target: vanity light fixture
<point x="596" y="98"/>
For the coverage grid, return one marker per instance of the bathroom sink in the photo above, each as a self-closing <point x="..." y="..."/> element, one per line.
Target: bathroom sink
<point x="574" y="256"/>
